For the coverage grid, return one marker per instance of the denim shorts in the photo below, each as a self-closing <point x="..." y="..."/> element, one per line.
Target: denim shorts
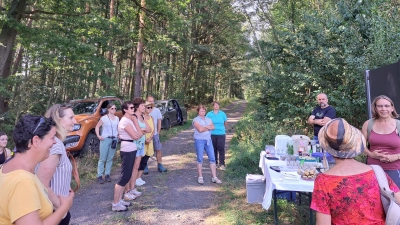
<point x="156" y="142"/>
<point x="140" y="150"/>
<point x="201" y="146"/>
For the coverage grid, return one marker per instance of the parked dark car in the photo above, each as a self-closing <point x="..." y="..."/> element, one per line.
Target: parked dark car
<point x="172" y="112"/>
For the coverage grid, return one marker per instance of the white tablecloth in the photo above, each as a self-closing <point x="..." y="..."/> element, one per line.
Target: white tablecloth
<point x="274" y="181"/>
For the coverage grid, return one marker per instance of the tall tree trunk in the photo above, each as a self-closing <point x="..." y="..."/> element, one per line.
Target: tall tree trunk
<point x="139" y="53"/>
<point x="110" y="42"/>
<point x="132" y="80"/>
<point x="149" y="76"/>
<point x="7" y="38"/>
<point x="17" y="61"/>
<point x="167" y="75"/>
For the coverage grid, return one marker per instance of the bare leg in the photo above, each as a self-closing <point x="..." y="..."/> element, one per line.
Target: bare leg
<point x="118" y="192"/>
<point x="135" y="172"/>
<point x="132" y="181"/>
<point x="213" y="170"/>
<point x="200" y="169"/>
<point x="159" y="156"/>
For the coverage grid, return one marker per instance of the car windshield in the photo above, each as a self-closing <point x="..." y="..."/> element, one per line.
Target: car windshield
<point x="84" y="107"/>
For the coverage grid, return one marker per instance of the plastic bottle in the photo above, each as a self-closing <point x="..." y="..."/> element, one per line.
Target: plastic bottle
<point x="325" y="163"/>
<point x="318" y="148"/>
<point x="302" y="146"/>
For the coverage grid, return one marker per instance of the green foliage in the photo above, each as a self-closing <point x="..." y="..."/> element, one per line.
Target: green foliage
<point x="74" y="49"/>
<point x="321" y="46"/>
<point x="252" y="133"/>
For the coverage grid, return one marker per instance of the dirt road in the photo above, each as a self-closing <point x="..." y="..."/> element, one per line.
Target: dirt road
<point x="168" y="198"/>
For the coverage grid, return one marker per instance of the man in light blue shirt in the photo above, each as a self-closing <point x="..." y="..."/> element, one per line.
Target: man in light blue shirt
<point x="157" y="118"/>
<point x="218" y="135"/>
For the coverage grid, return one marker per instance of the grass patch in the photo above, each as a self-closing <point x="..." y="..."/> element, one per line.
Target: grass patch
<point x="253" y="132"/>
<point x="120" y="218"/>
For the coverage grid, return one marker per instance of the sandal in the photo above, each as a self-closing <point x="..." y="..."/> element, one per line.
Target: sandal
<point x="216" y="180"/>
<point x="200" y="180"/>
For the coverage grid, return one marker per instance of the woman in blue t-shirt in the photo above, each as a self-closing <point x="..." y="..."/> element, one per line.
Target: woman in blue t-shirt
<point x="202" y="141"/>
<point x="218" y="135"/>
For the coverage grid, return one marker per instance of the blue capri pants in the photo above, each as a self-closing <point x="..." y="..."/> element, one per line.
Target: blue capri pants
<point x="204" y="145"/>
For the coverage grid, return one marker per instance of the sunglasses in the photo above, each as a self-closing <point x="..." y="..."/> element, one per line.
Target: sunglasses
<point x="41" y="121"/>
<point x="149" y="107"/>
<point x="131" y="107"/>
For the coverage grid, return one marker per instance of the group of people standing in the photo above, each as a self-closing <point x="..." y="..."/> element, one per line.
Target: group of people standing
<point x="352" y="186"/>
<point x="35" y="181"/>
<point x="138" y="130"/>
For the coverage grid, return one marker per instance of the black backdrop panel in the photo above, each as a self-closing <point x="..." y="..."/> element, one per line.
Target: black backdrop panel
<point x="386" y="81"/>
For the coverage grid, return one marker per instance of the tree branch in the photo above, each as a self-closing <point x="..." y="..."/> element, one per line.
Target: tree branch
<point x="41" y="17"/>
<point x="52" y="13"/>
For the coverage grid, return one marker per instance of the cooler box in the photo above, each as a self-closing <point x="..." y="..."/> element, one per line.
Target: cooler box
<point x="281" y="142"/>
<point x="255" y="187"/>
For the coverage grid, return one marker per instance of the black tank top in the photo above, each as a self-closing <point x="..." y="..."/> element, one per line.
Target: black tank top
<point x="3" y="157"/>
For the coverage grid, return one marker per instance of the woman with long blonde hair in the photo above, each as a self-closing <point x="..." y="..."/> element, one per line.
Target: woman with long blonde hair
<point x="55" y="172"/>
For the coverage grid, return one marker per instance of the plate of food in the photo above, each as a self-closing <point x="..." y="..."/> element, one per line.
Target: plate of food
<point x="309" y="175"/>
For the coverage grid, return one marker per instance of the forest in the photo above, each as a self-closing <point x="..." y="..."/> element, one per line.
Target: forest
<point x="280" y="52"/>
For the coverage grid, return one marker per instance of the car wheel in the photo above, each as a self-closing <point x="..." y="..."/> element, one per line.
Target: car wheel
<point x="92" y="144"/>
<point x="167" y="124"/>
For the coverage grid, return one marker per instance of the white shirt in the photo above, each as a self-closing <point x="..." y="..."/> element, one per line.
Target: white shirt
<point x="109" y="127"/>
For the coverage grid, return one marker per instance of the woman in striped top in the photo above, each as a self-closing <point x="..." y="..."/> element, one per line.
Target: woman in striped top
<point x="55" y="171"/>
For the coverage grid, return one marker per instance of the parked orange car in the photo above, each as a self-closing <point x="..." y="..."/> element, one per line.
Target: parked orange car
<point x="88" y="113"/>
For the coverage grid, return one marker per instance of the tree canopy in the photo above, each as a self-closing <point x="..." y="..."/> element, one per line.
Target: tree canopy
<point x="55" y="51"/>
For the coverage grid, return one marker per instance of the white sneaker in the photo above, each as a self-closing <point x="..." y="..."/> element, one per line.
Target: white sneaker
<point x="129" y="197"/>
<point x="124" y="203"/>
<point x="135" y="192"/>
<point x="118" y="207"/>
<point x="140" y="182"/>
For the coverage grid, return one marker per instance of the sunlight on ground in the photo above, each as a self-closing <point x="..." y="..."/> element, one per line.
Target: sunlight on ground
<point x="233" y="119"/>
<point x="197" y="187"/>
<point x="229" y="137"/>
<point x="188" y="131"/>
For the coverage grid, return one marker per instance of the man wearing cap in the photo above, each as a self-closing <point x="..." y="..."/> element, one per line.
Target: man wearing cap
<point x="348" y="193"/>
<point x="321" y="114"/>
<point x="157" y="117"/>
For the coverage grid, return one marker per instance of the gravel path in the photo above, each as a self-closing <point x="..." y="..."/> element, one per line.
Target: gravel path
<point x="168" y="198"/>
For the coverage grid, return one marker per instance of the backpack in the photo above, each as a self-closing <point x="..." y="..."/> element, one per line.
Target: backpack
<point x="389" y="203"/>
<point x="371" y="124"/>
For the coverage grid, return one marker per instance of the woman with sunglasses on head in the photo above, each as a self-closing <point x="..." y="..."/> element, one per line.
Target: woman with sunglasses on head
<point x="5" y="153"/>
<point x="143" y="128"/>
<point x="23" y="198"/>
<point x="109" y="134"/>
<point x="128" y="134"/>
<point x="55" y="172"/>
